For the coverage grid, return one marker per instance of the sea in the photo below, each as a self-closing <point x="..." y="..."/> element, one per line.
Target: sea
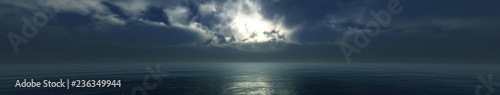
<point x="258" y="78"/>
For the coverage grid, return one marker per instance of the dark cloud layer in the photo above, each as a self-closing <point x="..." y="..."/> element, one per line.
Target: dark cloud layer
<point x="94" y="31"/>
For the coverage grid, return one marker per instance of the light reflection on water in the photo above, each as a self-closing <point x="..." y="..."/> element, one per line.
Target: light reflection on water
<point x="254" y="85"/>
<point x="257" y="79"/>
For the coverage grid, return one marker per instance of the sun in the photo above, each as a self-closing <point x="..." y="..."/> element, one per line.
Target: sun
<point x="250" y="26"/>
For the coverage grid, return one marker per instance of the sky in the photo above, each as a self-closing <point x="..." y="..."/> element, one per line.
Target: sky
<point x="304" y="31"/>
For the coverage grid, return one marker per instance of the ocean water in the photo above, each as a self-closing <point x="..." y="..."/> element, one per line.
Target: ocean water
<point x="257" y="78"/>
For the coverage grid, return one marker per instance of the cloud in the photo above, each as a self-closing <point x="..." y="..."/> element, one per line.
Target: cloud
<point x="217" y="23"/>
<point x="246" y="22"/>
<point x="92" y="8"/>
<point x="229" y="22"/>
<point x="153" y="23"/>
<point x="20" y="4"/>
<point x="178" y="15"/>
<point x="246" y="26"/>
<point x="208" y="8"/>
<point x="86" y="7"/>
<point x="133" y="8"/>
<point x="433" y="26"/>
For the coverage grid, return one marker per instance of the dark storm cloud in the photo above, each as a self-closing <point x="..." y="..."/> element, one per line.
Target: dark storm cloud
<point x="278" y="31"/>
<point x="313" y="16"/>
<point x="441" y="31"/>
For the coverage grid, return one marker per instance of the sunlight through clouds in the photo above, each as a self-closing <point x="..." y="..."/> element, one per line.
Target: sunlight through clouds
<point x="237" y="24"/>
<point x="249" y="25"/>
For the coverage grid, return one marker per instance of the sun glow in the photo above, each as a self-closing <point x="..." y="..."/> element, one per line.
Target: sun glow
<point x="251" y="29"/>
<point x="250" y="26"/>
